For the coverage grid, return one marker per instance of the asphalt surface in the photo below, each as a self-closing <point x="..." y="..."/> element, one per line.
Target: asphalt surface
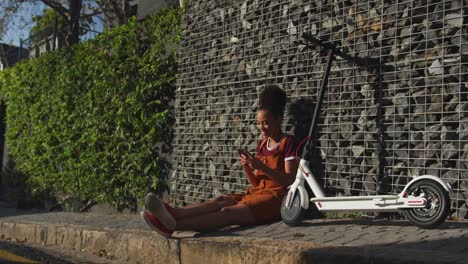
<point x="17" y="252"/>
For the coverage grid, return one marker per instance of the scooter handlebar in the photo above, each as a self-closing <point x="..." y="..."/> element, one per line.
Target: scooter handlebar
<point x="359" y="61"/>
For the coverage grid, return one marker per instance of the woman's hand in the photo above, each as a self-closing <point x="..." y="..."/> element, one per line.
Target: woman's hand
<point x="245" y="163"/>
<point x="250" y="161"/>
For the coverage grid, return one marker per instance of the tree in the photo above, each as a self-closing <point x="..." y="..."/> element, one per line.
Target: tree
<point x="44" y="26"/>
<point x="72" y="13"/>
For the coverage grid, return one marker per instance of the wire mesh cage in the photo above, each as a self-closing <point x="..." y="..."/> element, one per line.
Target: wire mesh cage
<point x="402" y="114"/>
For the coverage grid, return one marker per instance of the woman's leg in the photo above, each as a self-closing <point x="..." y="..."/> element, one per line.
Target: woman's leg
<point x="238" y="214"/>
<point x="211" y="206"/>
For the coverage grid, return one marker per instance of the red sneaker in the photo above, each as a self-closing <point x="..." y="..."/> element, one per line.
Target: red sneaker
<point x="154" y="223"/>
<point x="160" y="210"/>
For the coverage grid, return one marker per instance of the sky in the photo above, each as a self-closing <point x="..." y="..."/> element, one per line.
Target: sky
<point x="21" y="24"/>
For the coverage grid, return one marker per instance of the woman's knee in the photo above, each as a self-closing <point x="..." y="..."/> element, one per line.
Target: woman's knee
<point x="216" y="199"/>
<point x="238" y="214"/>
<point x="223" y="201"/>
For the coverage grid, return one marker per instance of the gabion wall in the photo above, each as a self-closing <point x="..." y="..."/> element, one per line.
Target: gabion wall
<point x="403" y="114"/>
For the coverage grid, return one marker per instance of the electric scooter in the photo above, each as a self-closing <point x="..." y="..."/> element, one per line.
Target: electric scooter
<point x="425" y="199"/>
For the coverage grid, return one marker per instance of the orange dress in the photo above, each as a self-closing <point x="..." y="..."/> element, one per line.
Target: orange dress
<point x="264" y="200"/>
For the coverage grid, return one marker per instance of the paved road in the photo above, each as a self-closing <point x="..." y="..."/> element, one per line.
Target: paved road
<point x="15" y="252"/>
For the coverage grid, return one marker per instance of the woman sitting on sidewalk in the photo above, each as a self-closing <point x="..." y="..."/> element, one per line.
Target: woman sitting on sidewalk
<point x="270" y="172"/>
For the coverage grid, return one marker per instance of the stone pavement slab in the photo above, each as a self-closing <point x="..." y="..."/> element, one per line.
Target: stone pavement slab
<point x="315" y="241"/>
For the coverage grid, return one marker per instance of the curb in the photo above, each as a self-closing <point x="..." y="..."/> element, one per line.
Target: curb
<point x="147" y="247"/>
<point x="135" y="246"/>
<point x="243" y="250"/>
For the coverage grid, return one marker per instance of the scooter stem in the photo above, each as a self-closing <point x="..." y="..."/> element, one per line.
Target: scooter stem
<point x="318" y="105"/>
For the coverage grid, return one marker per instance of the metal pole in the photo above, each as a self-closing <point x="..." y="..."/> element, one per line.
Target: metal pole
<point x="20" y="50"/>
<point x="55" y="31"/>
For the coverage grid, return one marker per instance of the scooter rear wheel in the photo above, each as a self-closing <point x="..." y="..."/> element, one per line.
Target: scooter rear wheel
<point x="293" y="215"/>
<point x="437" y="208"/>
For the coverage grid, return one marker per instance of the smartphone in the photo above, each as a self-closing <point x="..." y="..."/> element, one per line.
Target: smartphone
<point x="243" y="152"/>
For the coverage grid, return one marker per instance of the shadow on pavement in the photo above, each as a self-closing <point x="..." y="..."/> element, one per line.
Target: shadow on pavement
<point x="13" y="252"/>
<point x="426" y="249"/>
<point x="427" y="252"/>
<point x="380" y="222"/>
<point x="233" y="231"/>
<point x="7" y="211"/>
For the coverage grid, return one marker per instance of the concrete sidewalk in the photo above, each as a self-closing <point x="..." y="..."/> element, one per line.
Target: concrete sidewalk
<point x="126" y="237"/>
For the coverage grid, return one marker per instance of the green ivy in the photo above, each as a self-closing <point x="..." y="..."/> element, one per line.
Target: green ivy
<point x="91" y="121"/>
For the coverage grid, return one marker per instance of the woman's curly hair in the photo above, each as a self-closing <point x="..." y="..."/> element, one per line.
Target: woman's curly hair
<point x="273" y="99"/>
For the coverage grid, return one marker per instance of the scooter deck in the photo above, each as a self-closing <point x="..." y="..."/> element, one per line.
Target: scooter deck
<point x="354" y="198"/>
<point x="368" y="203"/>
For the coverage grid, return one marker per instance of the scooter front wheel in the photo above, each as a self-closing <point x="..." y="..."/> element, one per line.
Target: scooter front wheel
<point x="294" y="214"/>
<point x="437" y="208"/>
